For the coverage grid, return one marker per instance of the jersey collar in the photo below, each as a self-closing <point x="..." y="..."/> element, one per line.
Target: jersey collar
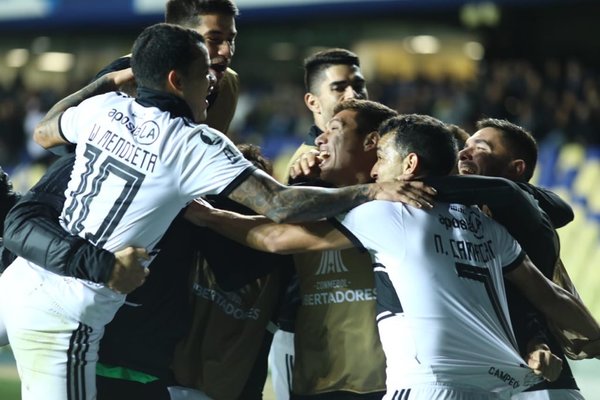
<point x="176" y="106"/>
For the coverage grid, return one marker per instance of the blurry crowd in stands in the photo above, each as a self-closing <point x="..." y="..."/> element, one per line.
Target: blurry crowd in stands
<point x="558" y="101"/>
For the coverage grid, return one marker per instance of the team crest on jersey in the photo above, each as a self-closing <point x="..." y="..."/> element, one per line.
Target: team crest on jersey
<point x="475" y="224"/>
<point x="146" y="133"/>
<point x="470" y="222"/>
<point x="331" y="262"/>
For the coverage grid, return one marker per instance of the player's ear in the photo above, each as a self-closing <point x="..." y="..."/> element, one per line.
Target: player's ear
<point x="312" y="102"/>
<point x="174" y="83"/>
<point x="370" y="142"/>
<point x="411" y="164"/>
<point x="517" y="168"/>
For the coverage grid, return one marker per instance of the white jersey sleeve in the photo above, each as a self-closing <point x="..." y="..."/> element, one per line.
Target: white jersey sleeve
<point x="369" y="225"/>
<point x="206" y="155"/>
<point x="70" y="120"/>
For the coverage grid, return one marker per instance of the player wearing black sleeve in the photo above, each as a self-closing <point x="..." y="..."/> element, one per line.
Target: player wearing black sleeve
<point x="500" y="148"/>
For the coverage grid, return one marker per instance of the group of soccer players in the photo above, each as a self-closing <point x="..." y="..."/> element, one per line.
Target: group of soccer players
<point x="418" y="310"/>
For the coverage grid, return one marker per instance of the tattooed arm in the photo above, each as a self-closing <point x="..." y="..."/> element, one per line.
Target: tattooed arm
<point x="280" y="203"/>
<point x="47" y="132"/>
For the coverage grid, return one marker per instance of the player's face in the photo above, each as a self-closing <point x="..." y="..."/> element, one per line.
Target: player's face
<point x="196" y="84"/>
<point x="219" y="34"/>
<point x="339" y="83"/>
<point x="344" y="158"/>
<point x="390" y="164"/>
<point x="485" y="154"/>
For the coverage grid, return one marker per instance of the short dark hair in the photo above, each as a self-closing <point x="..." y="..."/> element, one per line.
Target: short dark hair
<point x="519" y="142"/>
<point x="426" y="136"/>
<point x="315" y="64"/>
<point x="460" y="135"/>
<point x="188" y="12"/>
<point x="161" y="48"/>
<point x="369" y="114"/>
<point x="254" y="154"/>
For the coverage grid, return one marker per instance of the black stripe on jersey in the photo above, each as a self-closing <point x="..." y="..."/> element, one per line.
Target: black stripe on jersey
<point x="238" y="179"/>
<point x="387" y="298"/>
<point x="71" y="386"/>
<point x="515" y="263"/>
<point x="76" y="362"/>
<point x="340" y="227"/>
<point x="401" y="395"/>
<point x="289" y="368"/>
<point x="384" y="315"/>
<point x="60" y="131"/>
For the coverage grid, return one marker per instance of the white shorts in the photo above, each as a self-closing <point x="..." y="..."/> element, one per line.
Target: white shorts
<point x="281" y="363"/>
<point x="56" y="355"/>
<point x="441" y="392"/>
<point x="551" y="394"/>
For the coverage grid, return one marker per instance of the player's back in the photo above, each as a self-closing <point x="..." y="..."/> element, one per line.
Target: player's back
<point x="136" y="167"/>
<point x="442" y="311"/>
<point x="131" y="174"/>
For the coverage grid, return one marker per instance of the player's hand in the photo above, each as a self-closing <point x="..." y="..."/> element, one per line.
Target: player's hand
<point x="412" y="193"/>
<point x="544" y="363"/>
<point x="128" y="273"/>
<point x="121" y="77"/>
<point x="307" y="165"/>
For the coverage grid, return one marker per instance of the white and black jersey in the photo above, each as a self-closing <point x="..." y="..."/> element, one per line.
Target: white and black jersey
<point x="136" y="167"/>
<point x="442" y="312"/>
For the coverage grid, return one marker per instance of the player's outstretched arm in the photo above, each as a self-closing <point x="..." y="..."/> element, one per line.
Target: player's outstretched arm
<point x="262" y="234"/>
<point x="47" y="132"/>
<point x="33" y="232"/>
<point x="496" y="193"/>
<point x="554" y="302"/>
<point x="280" y="203"/>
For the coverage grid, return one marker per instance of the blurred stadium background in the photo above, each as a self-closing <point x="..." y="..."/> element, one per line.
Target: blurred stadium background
<point x="534" y="62"/>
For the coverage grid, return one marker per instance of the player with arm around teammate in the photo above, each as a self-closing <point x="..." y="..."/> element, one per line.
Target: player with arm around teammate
<point x="442" y="312"/>
<point x="501" y="148"/>
<point x="150" y="155"/>
<point x="215" y="21"/>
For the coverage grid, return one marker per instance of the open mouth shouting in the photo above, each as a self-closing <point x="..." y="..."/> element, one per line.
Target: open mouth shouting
<point x="467" y="168"/>
<point x="323" y="156"/>
<point x="218" y="66"/>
